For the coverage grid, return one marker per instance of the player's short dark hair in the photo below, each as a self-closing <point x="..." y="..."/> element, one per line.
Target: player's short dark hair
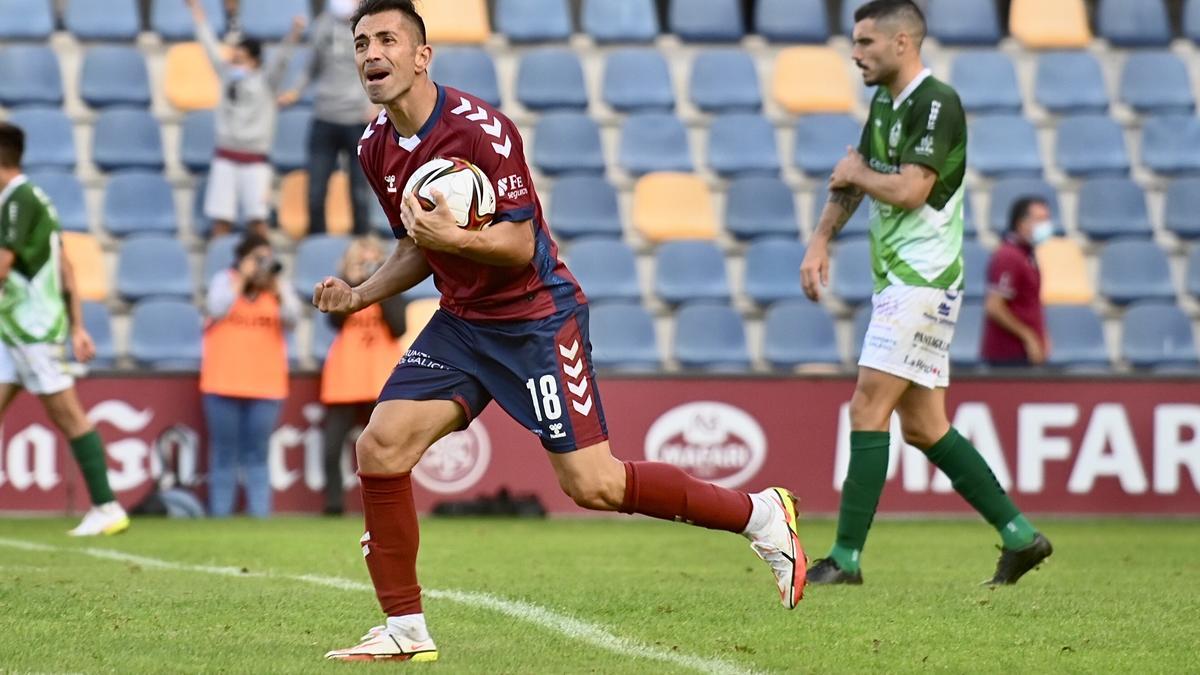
<point x="887" y="9"/>
<point x="405" y="7"/>
<point x="249" y="242"/>
<point x="12" y="145"/>
<point x="1020" y="209"/>
<point x="253" y="48"/>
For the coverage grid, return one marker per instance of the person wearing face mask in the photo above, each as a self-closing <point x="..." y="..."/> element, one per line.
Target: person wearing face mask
<point x="1014" y="332"/>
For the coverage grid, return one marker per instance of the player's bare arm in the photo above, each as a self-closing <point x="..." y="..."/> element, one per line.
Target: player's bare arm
<point x="814" y="270"/>
<point x="907" y="190"/>
<point x="81" y="340"/>
<point x="504" y="244"/>
<point x="405" y="267"/>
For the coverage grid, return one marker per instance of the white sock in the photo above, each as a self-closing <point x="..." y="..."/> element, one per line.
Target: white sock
<point x="411" y="626"/>
<point x="760" y="514"/>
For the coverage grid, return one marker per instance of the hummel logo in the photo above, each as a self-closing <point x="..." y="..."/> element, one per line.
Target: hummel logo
<point x="556" y="431"/>
<point x="391" y="181"/>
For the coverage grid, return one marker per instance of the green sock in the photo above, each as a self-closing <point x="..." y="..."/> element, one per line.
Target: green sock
<point x="974" y="480"/>
<point x="89" y="454"/>
<point x="860" y="495"/>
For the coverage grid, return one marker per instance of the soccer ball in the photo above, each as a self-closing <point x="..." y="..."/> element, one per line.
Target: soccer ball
<point x="467" y="190"/>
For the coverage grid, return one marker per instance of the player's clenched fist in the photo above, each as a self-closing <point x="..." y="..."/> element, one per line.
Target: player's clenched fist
<point x="335" y="295"/>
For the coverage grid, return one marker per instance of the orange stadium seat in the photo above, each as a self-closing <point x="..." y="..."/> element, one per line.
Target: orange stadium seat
<point x="416" y="314"/>
<point x="1065" y="279"/>
<point x="812" y="80"/>
<point x="293" y="204"/>
<point x="190" y="82"/>
<point x="670" y="206"/>
<point x="455" y="21"/>
<point x="87" y="260"/>
<point x="1050" y="24"/>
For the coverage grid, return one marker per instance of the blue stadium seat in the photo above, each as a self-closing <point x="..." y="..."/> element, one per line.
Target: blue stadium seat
<point x="567" y="142"/>
<point x="1171" y="143"/>
<point x="271" y="21"/>
<point x="724" y="80"/>
<point x="609" y="21"/>
<point x="426" y="289"/>
<point x="986" y="82"/>
<point x="197" y="140"/>
<point x="49" y="139"/>
<point x="98" y="323"/>
<point x="29" y="74"/>
<point x="1135" y="269"/>
<point x="1091" y="145"/>
<point x="637" y="79"/>
<point x="1007" y="191"/>
<point x="852" y="280"/>
<point x="1133" y="23"/>
<point x="606" y="269"/>
<point x="710" y="337"/>
<point x="218" y="257"/>
<point x="153" y="266"/>
<point x="114" y="75"/>
<point x="533" y="20"/>
<point x="623" y="338"/>
<point x="859" y="223"/>
<point x="166" y="335"/>
<point x="1191" y="20"/>
<point x="772" y="270"/>
<point x="1192" y="274"/>
<point x="288" y="151"/>
<point x="1157" y="334"/>
<point x="26" y="19"/>
<point x="760" y="206"/>
<point x="321" y="338"/>
<point x="963" y="22"/>
<point x="861" y="320"/>
<point x="173" y="20"/>
<point x="116" y="20"/>
<point x="551" y="78"/>
<point x="1076" y="336"/>
<point x="201" y="225"/>
<point x="1183" y="208"/>
<point x="1156" y="82"/>
<point x="1112" y="207"/>
<point x="690" y="270"/>
<point x="584" y="205"/>
<point x="797" y="333"/>
<point x="804" y="21"/>
<point x="975" y="264"/>
<point x="469" y="69"/>
<point x="1070" y="82"/>
<point x="1003" y="145"/>
<point x="707" y="20"/>
<point x="654" y="142"/>
<point x="970" y="228"/>
<point x="740" y="143"/>
<point x="821" y="141"/>
<point x="66" y="193"/>
<point x="138" y="201"/>
<point x="968" y="336"/>
<point x="317" y="256"/>
<point x="126" y="138"/>
<point x="847" y="16"/>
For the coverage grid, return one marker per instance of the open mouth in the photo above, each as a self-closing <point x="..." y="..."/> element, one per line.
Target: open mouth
<point x="377" y="76"/>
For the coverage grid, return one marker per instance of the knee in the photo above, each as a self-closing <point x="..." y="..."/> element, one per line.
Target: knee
<point x="598" y="492"/>
<point x="379" y="454"/>
<point x="918" y="436"/>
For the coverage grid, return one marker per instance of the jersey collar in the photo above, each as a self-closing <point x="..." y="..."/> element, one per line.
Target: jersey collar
<point x="13" y="184"/>
<point x="410" y="142"/>
<point x="912" y="86"/>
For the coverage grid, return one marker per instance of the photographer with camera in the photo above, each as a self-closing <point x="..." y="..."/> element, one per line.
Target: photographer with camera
<point x="244" y="373"/>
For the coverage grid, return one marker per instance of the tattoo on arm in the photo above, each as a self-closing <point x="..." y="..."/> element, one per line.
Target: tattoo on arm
<point x="832" y="221"/>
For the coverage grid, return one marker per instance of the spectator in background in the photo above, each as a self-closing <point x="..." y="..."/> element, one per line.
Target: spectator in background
<point x="244" y="372"/>
<point x="233" y="23"/>
<point x="340" y="110"/>
<point x="239" y="180"/>
<point x="359" y="361"/>
<point x="1014" y="332"/>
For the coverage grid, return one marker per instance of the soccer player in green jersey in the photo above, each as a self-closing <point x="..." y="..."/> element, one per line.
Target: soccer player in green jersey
<point x="33" y="327"/>
<point x="911" y="161"/>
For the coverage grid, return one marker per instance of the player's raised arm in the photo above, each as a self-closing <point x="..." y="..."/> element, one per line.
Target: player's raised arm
<point x="405" y="268"/>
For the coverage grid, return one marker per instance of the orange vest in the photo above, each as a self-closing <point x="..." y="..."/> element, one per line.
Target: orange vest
<point x="360" y="359"/>
<point x="245" y="352"/>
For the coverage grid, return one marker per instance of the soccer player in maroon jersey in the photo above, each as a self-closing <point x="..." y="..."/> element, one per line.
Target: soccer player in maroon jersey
<point x="513" y="326"/>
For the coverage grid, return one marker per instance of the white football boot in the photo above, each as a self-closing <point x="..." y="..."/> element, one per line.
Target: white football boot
<point x="778" y="544"/>
<point x="104" y="519"/>
<point x="382" y="643"/>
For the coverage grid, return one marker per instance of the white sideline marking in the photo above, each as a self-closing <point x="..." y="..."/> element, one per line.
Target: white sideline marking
<point x="575" y="629"/>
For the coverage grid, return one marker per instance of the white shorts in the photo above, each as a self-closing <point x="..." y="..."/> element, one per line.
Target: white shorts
<point x="910" y="332"/>
<point x="40" y="368"/>
<point x="236" y="188"/>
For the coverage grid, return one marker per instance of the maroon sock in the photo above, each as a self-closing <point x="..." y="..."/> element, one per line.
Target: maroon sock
<point x="665" y="491"/>
<point x="390" y="544"/>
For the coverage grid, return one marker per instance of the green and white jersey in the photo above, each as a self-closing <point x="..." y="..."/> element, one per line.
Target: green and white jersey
<point x="925" y="125"/>
<point x="32" y="309"/>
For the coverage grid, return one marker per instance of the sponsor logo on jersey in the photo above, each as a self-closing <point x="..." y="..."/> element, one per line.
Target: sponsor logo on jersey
<point x="457" y="462"/>
<point x="511" y="186"/>
<point x="935" y="108"/>
<point x="894" y="136"/>
<point x="391" y="181"/>
<point x="714" y="441"/>
<point x="925" y="147"/>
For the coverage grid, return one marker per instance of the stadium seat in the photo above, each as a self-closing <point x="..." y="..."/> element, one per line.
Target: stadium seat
<point x="49" y="138"/>
<point x="1192" y="275"/>
<point x="724" y="80"/>
<point x="673" y="206"/>
<point x="1135" y="269"/>
<point x="166" y="335"/>
<point x="426" y="289"/>
<point x="1170" y="144"/>
<point x="1182" y="215"/>
<point x="114" y="75"/>
<point x="1191" y="20"/>
<point x="287" y="153"/>
<point x="654" y="142"/>
<point x="116" y="20"/>
<point x="852" y="280"/>
<point x="772" y="270"/>
<point x="847" y="16"/>
<point x="29" y="75"/>
<point x="1156" y="82"/>
<point x="292" y="213"/>
<point x="741" y="143"/>
<point x="820" y="141"/>
<point x="1065" y="278"/>
<point x="690" y="270"/>
<point x="609" y="21"/>
<point x="317" y="256"/>
<point x="1007" y="191"/>
<point x="861" y="320"/>
<point x="606" y="270"/>
<point x="804" y="21"/>
<point x="417" y="314"/>
<point x="321" y="338"/>
<point x="469" y="69"/>
<point x="986" y="82"/>
<point x="799" y="333"/>
<point x="26" y="20"/>
<point x="533" y="20"/>
<point x="760" y="206"/>
<point x="567" y="142"/>
<point x="1076" y="336"/>
<point x="271" y="22"/>
<point x="963" y="22"/>
<point x="126" y="138"/>
<point x="1070" y="82"/>
<point x="218" y="257"/>
<point x="637" y="79"/>
<point x="173" y="20"/>
<point x="623" y="338"/>
<point x="87" y="260"/>
<point x="66" y="193"/>
<point x="859" y="223"/>
<point x="1003" y="145"/>
<point x="197" y="140"/>
<point x="1091" y="145"/>
<point x="98" y="323"/>
<point x="189" y="81"/>
<point x="137" y="202"/>
<point x="706" y="20"/>
<point x="551" y="78"/>
<point x="1112" y="207"/>
<point x="584" y="205"/>
<point x="1133" y="23"/>
<point x="1049" y="24"/>
<point x="812" y="79"/>
<point x="710" y="337"/>
<point x="152" y="266"/>
<point x="1157" y="334"/>
<point x="968" y="336"/>
<point x="975" y="264"/>
<point x="461" y="21"/>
